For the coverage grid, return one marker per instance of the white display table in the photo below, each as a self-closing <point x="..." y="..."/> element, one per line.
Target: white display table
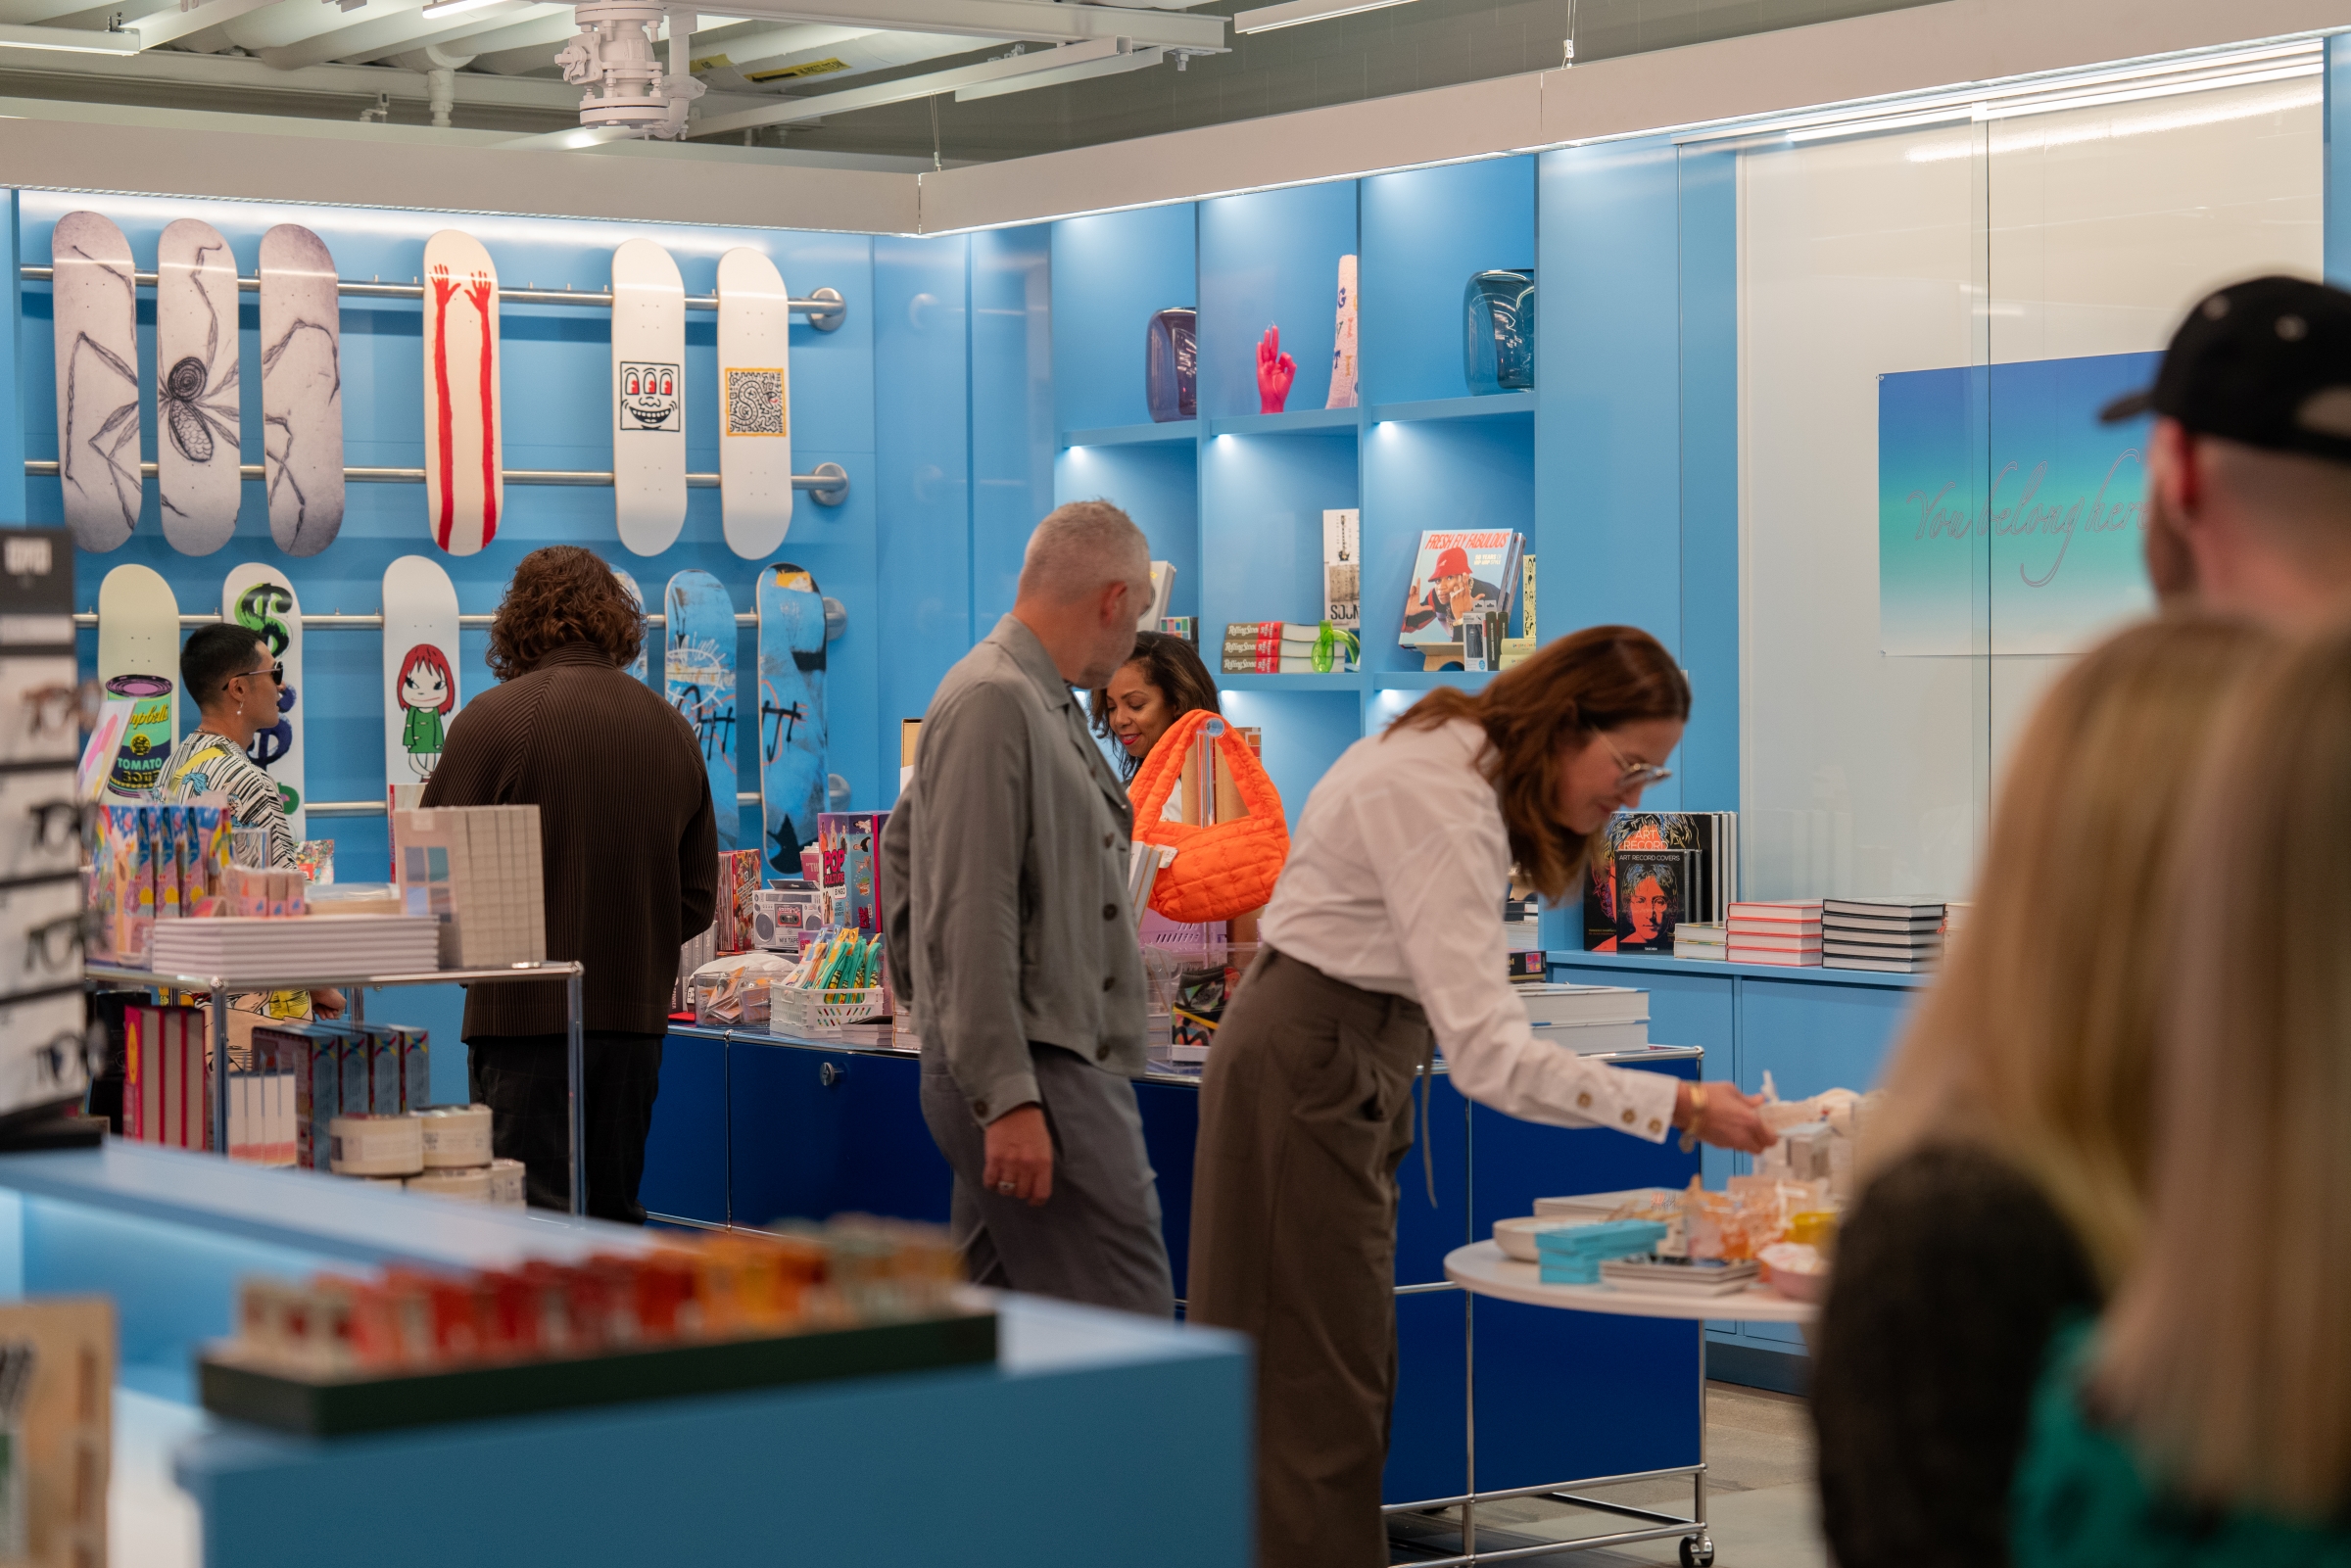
<point x="1483" y="1269"/>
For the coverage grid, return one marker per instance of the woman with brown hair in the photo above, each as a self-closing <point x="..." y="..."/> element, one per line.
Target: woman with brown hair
<point x="1161" y="681"/>
<point x="1383" y="942"/>
<point x="628" y="852"/>
<point x="2207" y="1421"/>
<point x="2006" y="1177"/>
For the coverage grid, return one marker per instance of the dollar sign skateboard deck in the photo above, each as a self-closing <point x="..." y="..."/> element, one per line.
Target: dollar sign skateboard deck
<point x="755" y="403"/>
<point x="260" y="597"/>
<point x="791" y="713"/>
<point x="138" y="658"/>
<point x="301" y="390"/>
<point x="649" y="396"/>
<point x="464" y="485"/>
<point x="420" y="667"/>
<point x="698" y="669"/>
<point x="94" y="297"/>
<point x="196" y="393"/>
<point x="637" y="594"/>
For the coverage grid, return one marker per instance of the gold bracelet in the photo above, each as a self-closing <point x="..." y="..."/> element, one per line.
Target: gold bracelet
<point x="1697" y="1110"/>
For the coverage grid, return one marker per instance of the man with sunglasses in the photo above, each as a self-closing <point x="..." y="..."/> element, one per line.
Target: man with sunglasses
<point x="229" y="672"/>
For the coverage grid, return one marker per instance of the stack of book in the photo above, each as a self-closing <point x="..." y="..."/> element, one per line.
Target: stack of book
<point x="1587" y="1018"/>
<point x="1679" y="1276"/>
<point x="476" y="871"/>
<point x="1706" y="940"/>
<point x="1784" y="931"/>
<point x="1901" y="936"/>
<point x="1651" y="873"/>
<point x="1288" y="647"/>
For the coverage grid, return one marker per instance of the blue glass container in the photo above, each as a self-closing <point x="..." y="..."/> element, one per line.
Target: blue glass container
<point x="1170" y="364"/>
<point x="1498" y="332"/>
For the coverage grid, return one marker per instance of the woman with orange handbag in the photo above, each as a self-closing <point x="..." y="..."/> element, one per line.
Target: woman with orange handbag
<point x="1383" y="942"/>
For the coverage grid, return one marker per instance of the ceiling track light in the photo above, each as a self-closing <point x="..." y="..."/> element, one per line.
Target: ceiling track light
<point x="66" y="41"/>
<point x="1297" y="13"/>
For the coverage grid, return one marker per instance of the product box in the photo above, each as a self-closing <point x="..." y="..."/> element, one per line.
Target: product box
<point x="312" y="1057"/>
<point x="171" y="849"/>
<point x="835" y="831"/>
<point x="782" y="916"/>
<point x="382" y="1047"/>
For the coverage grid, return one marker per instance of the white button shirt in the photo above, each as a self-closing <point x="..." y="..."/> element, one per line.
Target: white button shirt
<point x="1395" y="883"/>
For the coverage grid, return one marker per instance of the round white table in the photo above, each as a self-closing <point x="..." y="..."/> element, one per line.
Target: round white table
<point x="1482" y="1268"/>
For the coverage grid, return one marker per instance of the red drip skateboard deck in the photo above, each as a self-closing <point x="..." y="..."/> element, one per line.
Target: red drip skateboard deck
<point x="464" y="485"/>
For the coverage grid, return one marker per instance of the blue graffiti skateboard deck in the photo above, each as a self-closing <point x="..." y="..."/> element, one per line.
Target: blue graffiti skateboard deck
<point x="636" y="594"/>
<point x="699" y="672"/>
<point x="791" y="713"/>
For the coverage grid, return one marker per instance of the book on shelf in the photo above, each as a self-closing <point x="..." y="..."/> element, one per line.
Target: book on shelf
<point x="1293" y="648"/>
<point x="1790" y="958"/>
<point x="1699" y="939"/>
<point x="1621" y="915"/>
<point x="1557" y="1004"/>
<point x="1460" y="575"/>
<point x="1186" y="627"/>
<point x="1883" y="944"/>
<point x="1163" y="588"/>
<point x="1802" y="909"/>
<point x="1906" y="907"/>
<point x="1343" y="567"/>
<point x="1783" y="940"/>
<point x="1898" y="926"/>
<point x="1884" y="965"/>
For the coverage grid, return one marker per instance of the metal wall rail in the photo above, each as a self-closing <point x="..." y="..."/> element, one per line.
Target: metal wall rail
<point x="375" y="808"/>
<point x="338" y="622"/>
<point x="828" y="486"/>
<point x="825" y="309"/>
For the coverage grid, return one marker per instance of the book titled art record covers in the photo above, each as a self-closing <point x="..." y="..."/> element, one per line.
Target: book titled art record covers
<point x="1652" y="872"/>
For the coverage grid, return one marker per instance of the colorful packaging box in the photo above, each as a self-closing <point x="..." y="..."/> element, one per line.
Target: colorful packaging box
<point x="835" y="832"/>
<point x="382" y="1047"/>
<point x="416" y="1069"/>
<point x="314" y="1056"/>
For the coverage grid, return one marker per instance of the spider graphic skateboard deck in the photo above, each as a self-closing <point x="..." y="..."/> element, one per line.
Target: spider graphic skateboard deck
<point x="791" y="713"/>
<point x="698" y="670"/>
<point x="301" y="390"/>
<point x="420" y="667"/>
<point x="261" y="598"/>
<point x="138" y="657"/>
<point x="755" y="403"/>
<point x="637" y="594"/>
<point x="649" y="396"/>
<point x="95" y="300"/>
<point x="464" y="485"/>
<point x="196" y="393"/>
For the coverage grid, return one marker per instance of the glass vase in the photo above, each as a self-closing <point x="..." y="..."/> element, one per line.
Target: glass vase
<point x="1498" y="332"/>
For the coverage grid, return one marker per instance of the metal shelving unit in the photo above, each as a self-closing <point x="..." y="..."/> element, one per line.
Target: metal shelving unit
<point x="218" y="988"/>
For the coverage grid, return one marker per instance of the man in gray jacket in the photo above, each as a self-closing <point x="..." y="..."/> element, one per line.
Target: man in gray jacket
<point x="1004" y="894"/>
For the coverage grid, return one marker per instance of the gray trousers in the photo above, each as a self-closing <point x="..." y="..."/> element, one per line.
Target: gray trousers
<point x="1096" y="1239"/>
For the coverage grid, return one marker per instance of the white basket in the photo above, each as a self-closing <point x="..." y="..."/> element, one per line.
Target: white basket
<point x="791" y="1010"/>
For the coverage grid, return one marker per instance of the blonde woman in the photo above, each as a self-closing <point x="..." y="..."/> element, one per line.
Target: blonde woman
<point x="2006" y="1177"/>
<point x="2209" y="1420"/>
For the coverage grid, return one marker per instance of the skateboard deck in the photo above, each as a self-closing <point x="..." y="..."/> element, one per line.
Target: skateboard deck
<point x="464" y="482"/>
<point x="755" y="403"/>
<point x="261" y="598"/>
<point x="791" y="713"/>
<point x="196" y="393"/>
<point x="649" y="396"/>
<point x="420" y="667"/>
<point x="301" y="390"/>
<point x="138" y="657"/>
<point x="629" y="582"/>
<point x="698" y="671"/>
<point x="94" y="296"/>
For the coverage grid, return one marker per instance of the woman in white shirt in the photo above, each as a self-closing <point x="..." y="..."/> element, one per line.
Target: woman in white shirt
<point x="1383" y="942"/>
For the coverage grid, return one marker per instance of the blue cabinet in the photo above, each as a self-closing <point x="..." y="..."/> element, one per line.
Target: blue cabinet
<point x="686" y="1149"/>
<point x="812" y="1132"/>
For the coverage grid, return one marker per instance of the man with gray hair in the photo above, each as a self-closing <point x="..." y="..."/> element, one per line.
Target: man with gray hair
<point x="1004" y="896"/>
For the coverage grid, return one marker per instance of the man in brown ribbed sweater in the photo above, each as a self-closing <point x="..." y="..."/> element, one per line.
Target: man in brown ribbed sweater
<point x="630" y="849"/>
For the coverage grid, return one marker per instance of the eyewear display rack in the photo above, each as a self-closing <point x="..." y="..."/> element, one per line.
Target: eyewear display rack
<point x="218" y="988"/>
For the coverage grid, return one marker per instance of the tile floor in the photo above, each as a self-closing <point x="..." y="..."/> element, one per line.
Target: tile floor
<point x="1759" y="1499"/>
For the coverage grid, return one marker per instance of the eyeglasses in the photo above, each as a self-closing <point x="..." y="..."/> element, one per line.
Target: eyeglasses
<point x="53" y="943"/>
<point x="53" y="822"/>
<point x="52" y="707"/>
<point x="275" y="671"/>
<point x="1632" y="774"/>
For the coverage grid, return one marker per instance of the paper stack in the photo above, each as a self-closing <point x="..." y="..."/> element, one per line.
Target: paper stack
<point x="1784" y="931"/>
<point x="1572" y="1256"/>
<point x="1899" y="936"/>
<point x="1706" y="940"/>
<point x="1679" y="1276"/>
<point x="1587" y="1018"/>
<point x="476" y="871"/>
<point x="238" y="946"/>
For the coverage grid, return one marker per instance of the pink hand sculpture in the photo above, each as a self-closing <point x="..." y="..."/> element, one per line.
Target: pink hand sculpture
<point x="1276" y="370"/>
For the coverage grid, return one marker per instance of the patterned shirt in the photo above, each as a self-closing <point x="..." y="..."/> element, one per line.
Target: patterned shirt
<point x="204" y="762"/>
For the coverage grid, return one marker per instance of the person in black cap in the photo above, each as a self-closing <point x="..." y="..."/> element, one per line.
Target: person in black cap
<point x="2248" y="507"/>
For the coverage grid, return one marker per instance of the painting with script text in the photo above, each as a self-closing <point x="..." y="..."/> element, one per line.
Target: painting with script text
<point x="2010" y="520"/>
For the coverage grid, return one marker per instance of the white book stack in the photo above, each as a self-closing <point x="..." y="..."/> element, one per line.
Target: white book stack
<point x="1781" y="931"/>
<point x="476" y="871"/>
<point x="1587" y="1019"/>
<point x="235" y="946"/>
<point x="1703" y="940"/>
<point x="1895" y="935"/>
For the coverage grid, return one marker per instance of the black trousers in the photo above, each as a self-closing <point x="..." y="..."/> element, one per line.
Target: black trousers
<point x="524" y="1080"/>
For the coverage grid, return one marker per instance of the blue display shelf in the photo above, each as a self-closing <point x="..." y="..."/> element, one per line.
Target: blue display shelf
<point x="1290" y="423"/>
<point x="1175" y="432"/>
<point x="1422" y="680"/>
<point x="1814" y="974"/>
<point x="1348" y="681"/>
<point x="1492" y="405"/>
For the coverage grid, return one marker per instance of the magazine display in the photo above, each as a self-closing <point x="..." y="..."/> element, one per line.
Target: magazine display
<point x="1459" y="577"/>
<point x="1652" y="871"/>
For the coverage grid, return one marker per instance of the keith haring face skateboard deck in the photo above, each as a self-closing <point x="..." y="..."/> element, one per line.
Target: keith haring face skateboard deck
<point x="649" y="396"/>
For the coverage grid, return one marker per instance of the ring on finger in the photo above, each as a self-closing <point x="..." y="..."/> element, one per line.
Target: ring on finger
<point x="1006" y="1186"/>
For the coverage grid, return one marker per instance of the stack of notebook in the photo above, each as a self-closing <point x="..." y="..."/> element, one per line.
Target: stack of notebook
<point x="1784" y="931"/>
<point x="1901" y="936"/>
<point x="1679" y="1276"/>
<point x="1572" y="1255"/>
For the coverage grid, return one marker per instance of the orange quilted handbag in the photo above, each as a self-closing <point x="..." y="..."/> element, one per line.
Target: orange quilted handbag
<point x="1222" y="869"/>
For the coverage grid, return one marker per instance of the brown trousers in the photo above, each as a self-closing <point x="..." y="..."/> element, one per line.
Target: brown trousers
<point x="1304" y="1113"/>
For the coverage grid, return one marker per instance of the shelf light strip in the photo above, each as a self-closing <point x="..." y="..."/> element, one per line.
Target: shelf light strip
<point x="825" y="309"/>
<point x="828" y="486"/>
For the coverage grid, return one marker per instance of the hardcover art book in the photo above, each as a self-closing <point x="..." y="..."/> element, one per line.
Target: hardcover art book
<point x="1458" y="576"/>
<point x="1652" y="871"/>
